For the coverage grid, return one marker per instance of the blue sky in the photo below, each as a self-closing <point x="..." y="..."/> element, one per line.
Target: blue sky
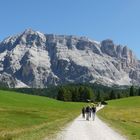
<point x="118" y="20"/>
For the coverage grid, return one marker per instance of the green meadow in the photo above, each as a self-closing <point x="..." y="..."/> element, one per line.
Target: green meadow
<point x="27" y="117"/>
<point x="124" y="116"/>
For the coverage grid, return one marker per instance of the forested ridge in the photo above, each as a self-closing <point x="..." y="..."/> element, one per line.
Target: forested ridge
<point x="80" y="92"/>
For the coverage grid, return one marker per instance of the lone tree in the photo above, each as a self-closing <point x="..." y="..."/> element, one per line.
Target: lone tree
<point x="132" y="91"/>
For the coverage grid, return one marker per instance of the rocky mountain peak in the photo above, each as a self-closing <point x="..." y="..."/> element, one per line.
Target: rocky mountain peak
<point x="108" y="47"/>
<point x="39" y="60"/>
<point x="31" y="37"/>
<point x="29" y="31"/>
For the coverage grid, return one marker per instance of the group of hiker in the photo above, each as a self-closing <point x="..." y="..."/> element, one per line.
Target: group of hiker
<point x="88" y="112"/>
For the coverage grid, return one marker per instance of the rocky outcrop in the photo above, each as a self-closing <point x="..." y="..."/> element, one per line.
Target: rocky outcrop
<point x="108" y="47"/>
<point x="120" y="52"/>
<point x="35" y="59"/>
<point x="8" y="80"/>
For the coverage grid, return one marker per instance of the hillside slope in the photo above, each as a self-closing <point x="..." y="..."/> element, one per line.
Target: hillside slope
<point x="29" y="117"/>
<point x="124" y="115"/>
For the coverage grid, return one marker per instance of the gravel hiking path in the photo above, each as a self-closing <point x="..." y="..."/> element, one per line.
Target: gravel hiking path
<point x="80" y="129"/>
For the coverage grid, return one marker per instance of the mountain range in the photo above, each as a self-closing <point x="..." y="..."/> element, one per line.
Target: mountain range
<point x="34" y="59"/>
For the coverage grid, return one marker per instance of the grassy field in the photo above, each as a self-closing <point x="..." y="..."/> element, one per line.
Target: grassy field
<point x="124" y="116"/>
<point x="27" y="117"/>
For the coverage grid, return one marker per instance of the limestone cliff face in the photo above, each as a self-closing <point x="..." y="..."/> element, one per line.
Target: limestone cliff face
<point x="120" y="52"/>
<point x="35" y="59"/>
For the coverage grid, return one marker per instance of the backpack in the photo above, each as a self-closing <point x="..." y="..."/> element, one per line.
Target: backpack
<point x="87" y="109"/>
<point x="94" y="109"/>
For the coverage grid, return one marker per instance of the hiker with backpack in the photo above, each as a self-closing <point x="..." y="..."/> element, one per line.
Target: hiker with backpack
<point x="83" y="112"/>
<point x="93" y="112"/>
<point x="87" y="110"/>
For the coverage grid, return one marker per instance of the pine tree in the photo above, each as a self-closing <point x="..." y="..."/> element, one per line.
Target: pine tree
<point x="77" y="94"/>
<point x="67" y="95"/>
<point x="131" y="91"/>
<point x="119" y="96"/>
<point x="64" y="94"/>
<point x="60" y="95"/>
<point x="112" y="95"/>
<point x="73" y="96"/>
<point x="81" y="92"/>
<point x="88" y="93"/>
<point x="139" y="92"/>
<point x="98" y="98"/>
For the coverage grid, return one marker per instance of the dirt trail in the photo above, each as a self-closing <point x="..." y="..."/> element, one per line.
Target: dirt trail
<point x="80" y="129"/>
